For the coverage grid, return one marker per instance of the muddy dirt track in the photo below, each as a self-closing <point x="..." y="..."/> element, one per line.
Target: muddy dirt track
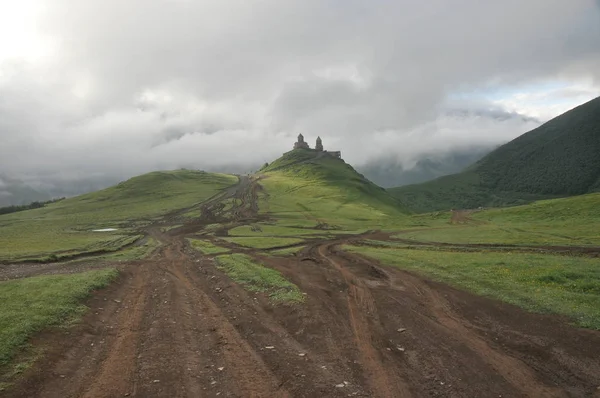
<point x="175" y="326"/>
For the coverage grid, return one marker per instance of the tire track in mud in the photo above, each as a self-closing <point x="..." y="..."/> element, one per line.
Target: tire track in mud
<point x="117" y="370"/>
<point x="249" y="373"/>
<point x="184" y="329"/>
<point x="361" y="305"/>
<point x="514" y="371"/>
<point x="523" y="371"/>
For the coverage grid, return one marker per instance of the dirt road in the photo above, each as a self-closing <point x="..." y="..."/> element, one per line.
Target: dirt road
<point x="175" y="326"/>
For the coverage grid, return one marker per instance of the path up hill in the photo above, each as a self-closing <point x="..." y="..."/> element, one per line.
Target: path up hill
<point x="560" y="158"/>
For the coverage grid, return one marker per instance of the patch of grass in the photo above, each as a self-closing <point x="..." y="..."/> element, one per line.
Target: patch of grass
<point x="263" y="242"/>
<point x="537" y="282"/>
<point x="206" y="247"/>
<point x="32" y="304"/>
<point x="66" y="226"/>
<point x="258" y="278"/>
<point x="170" y="227"/>
<point x="261" y="229"/>
<point x="136" y="252"/>
<point x="567" y="221"/>
<point x="290" y="251"/>
<point x="193" y="214"/>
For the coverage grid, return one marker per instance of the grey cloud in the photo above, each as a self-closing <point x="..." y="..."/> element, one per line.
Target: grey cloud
<point x="135" y="86"/>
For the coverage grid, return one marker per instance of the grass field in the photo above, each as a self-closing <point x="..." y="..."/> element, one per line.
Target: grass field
<point x="258" y="278"/>
<point x="568" y="221"/>
<point x="65" y="228"/>
<point x="31" y="304"/>
<point x="326" y="190"/>
<point x="206" y="247"/>
<point x="542" y="283"/>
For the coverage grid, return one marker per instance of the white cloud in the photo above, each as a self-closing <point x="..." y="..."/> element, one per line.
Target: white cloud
<point x="120" y="88"/>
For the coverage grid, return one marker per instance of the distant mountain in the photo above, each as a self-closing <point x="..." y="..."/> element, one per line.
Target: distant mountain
<point x="559" y="158"/>
<point x="16" y="192"/>
<point x="388" y="173"/>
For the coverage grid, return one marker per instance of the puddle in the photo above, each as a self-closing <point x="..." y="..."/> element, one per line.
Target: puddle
<point x="104" y="230"/>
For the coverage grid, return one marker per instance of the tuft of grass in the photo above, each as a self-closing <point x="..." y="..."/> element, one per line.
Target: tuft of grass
<point x="206" y="247"/>
<point x="136" y="252"/>
<point x="290" y="251"/>
<point x="32" y="304"/>
<point x="540" y="283"/>
<point x="258" y="278"/>
<point x="272" y="229"/>
<point x="263" y="242"/>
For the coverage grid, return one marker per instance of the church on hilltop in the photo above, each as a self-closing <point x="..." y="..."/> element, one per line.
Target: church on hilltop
<point x="301" y="144"/>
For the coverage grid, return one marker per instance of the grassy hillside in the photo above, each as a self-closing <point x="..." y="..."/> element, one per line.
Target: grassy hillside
<point x="565" y="221"/>
<point x="305" y="188"/>
<point x="64" y="228"/>
<point x="559" y="158"/>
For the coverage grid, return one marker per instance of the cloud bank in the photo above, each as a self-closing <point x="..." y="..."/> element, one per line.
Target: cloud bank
<point x="113" y="88"/>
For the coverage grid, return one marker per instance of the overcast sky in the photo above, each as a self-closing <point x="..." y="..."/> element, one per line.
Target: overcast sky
<point x="121" y="87"/>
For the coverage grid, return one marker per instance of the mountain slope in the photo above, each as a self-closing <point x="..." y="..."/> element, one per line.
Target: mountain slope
<point x="326" y="189"/>
<point x="388" y="173"/>
<point x="559" y="158"/>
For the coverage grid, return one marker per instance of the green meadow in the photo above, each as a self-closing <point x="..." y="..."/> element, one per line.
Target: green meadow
<point x="32" y="304"/>
<point x="256" y="277"/>
<point x="65" y="228"/>
<point x="566" y="221"/>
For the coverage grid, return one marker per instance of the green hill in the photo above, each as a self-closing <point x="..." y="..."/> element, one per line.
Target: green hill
<point x="560" y="158"/>
<point x="316" y="186"/>
<point x="65" y="228"/>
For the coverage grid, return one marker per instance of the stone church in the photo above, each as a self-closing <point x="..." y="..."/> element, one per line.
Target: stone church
<point x="301" y="144"/>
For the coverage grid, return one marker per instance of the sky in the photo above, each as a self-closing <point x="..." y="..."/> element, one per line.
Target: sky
<point x="117" y="88"/>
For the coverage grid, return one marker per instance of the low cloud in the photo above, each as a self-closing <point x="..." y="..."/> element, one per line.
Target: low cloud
<point x="123" y="88"/>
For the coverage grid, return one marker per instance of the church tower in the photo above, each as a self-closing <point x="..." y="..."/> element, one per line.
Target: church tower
<point x="319" y="145"/>
<point x="301" y="143"/>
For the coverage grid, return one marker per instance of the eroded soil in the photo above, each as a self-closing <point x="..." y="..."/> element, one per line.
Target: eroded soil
<point x="175" y="326"/>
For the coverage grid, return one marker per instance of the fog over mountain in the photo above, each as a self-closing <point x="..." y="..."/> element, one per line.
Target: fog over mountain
<point x="94" y="92"/>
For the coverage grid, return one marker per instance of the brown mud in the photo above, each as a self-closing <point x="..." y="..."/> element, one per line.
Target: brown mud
<point x="174" y="325"/>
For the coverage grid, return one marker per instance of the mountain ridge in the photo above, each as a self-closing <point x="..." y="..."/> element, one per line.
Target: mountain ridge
<point x="557" y="159"/>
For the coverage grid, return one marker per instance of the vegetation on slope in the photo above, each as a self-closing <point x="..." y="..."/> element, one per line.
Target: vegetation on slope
<point x="65" y="228"/>
<point x="31" y="304"/>
<point x="307" y="189"/>
<point x="559" y="158"/>
<point x="564" y="221"/>
<point x="206" y="247"/>
<point x="30" y="206"/>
